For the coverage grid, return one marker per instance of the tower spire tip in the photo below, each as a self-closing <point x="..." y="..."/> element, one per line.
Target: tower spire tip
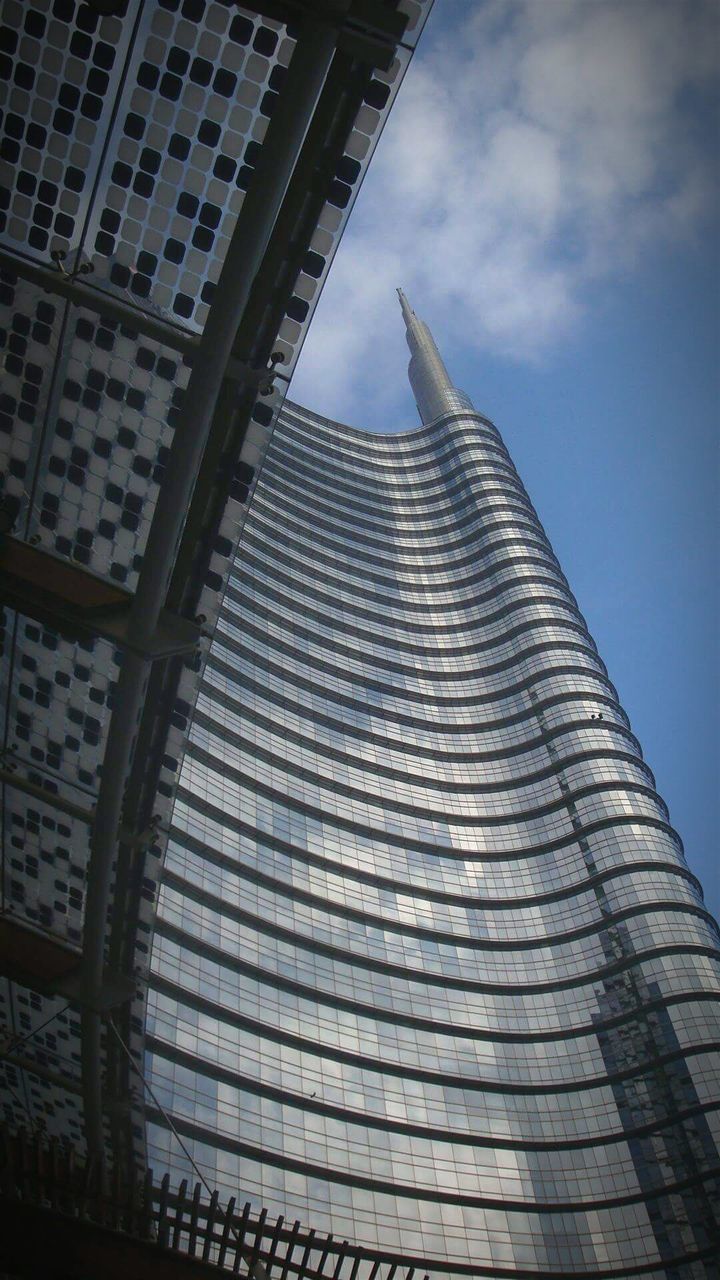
<point x="407" y="310"/>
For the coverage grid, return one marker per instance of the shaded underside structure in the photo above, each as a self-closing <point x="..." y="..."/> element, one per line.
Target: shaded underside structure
<point x="430" y="970"/>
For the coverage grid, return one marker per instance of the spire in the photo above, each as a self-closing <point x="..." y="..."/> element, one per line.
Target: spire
<point x="430" y="381"/>
<point x="416" y="331"/>
<point x="408" y="313"/>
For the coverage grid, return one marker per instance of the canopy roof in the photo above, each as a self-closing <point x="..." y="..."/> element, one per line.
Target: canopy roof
<point x="177" y="179"/>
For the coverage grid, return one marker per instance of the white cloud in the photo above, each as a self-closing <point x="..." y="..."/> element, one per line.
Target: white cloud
<point x="536" y="147"/>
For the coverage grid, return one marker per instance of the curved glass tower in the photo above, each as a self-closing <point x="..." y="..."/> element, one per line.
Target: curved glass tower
<point x="430" y="970"/>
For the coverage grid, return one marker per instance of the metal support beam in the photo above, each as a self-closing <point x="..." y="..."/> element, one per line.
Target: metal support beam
<point x="68" y="1083"/>
<point x="47" y="963"/>
<point x="103" y="303"/>
<point x="8" y="778"/>
<point x="306" y="74"/>
<point x="367" y="29"/>
<point x="109" y="306"/>
<point x="74" y="602"/>
<point x="34" y="956"/>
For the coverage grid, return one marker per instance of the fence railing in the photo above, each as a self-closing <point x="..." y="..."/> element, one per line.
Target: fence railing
<point x="40" y="1171"/>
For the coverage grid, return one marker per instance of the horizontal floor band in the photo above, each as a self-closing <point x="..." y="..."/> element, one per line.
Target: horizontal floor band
<point x="402" y="1191"/>
<point x="459" y="675"/>
<point x="297" y="606"/>
<point x="466" y="1083"/>
<point x="399" y="605"/>
<point x="403" y="480"/>
<point x="304" y="712"/>
<point x="287" y="890"/>
<point x="397" y="551"/>
<point x="222" y="768"/>
<point x="370" y="1120"/>
<point x="392" y="716"/>
<point x="192" y="890"/>
<point x="377" y="771"/>
<point x="435" y="631"/>
<point x="236" y="964"/>
<point x="450" y="517"/>
<point x="450" y="508"/>
<point x="341" y="870"/>
<point x="368" y="685"/>
<point x="304" y="669"/>
<point x="432" y="848"/>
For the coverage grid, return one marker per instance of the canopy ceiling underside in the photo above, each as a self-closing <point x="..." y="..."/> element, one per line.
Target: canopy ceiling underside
<point x="142" y="152"/>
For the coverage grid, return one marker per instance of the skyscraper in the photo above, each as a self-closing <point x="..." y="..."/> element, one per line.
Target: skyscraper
<point x="430" y="970"/>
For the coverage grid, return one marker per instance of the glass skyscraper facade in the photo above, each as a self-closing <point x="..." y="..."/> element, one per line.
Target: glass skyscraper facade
<point x="430" y="970"/>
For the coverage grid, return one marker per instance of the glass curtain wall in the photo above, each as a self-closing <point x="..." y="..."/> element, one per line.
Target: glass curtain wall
<point x="430" y="970"/>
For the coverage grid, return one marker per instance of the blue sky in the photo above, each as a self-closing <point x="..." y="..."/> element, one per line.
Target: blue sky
<point x="546" y="192"/>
